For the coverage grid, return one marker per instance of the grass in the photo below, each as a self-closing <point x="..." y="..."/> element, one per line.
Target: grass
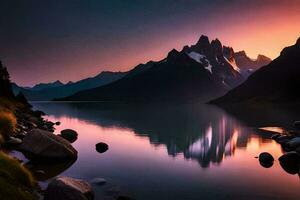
<point x="16" y="182"/>
<point x="8" y="123"/>
<point x="10" y="104"/>
<point x="8" y="109"/>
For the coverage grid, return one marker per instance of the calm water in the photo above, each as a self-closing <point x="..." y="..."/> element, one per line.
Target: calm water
<point x="182" y="152"/>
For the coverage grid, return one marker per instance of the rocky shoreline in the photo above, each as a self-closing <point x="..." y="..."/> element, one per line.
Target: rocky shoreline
<point x="34" y="137"/>
<point x="290" y="144"/>
<point x="47" y="155"/>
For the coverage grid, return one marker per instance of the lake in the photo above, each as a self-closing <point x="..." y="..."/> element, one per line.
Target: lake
<point x="171" y="152"/>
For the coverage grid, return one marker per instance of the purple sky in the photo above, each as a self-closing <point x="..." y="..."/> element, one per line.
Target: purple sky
<point x="42" y="41"/>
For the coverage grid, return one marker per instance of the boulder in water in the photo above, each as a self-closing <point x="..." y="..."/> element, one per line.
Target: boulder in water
<point x="102" y="147"/>
<point x="266" y="159"/>
<point x="43" y="144"/>
<point x="69" y="135"/>
<point x="57" y="123"/>
<point x="290" y="162"/>
<point x="66" y="188"/>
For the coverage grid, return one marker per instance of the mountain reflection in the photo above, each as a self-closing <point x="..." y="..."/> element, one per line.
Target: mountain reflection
<point x="219" y="140"/>
<point x="199" y="132"/>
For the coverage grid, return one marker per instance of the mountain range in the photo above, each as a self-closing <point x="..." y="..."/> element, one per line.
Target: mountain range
<point x="49" y="91"/>
<point x="202" y="71"/>
<point x="275" y="83"/>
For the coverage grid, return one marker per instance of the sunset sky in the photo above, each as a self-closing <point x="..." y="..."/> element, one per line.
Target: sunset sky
<point x="42" y="41"/>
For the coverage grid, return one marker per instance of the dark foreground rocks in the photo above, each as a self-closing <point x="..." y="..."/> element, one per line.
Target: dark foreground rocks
<point x="43" y="144"/>
<point x="290" y="143"/>
<point x="69" y="135"/>
<point x="266" y="159"/>
<point x="101" y="147"/>
<point x="66" y="188"/>
<point x="290" y="162"/>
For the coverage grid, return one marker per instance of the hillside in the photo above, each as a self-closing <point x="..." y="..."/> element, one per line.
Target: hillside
<point x="276" y="83"/>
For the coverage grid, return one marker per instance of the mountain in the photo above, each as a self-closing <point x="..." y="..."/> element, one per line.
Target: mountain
<point x="248" y="65"/>
<point x="38" y="87"/>
<point x="70" y="88"/>
<point x="201" y="71"/>
<point x="276" y="83"/>
<point x="43" y="86"/>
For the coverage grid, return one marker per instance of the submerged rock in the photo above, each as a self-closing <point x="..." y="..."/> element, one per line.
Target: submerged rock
<point x="101" y="147"/>
<point x="57" y="123"/>
<point x="266" y="159"/>
<point x="66" y="188"/>
<point x="290" y="162"/>
<point x="43" y="144"/>
<point x="69" y="135"/>
<point x="99" y="181"/>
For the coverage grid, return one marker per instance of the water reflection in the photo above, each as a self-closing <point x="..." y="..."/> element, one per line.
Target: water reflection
<point x="202" y="133"/>
<point x="172" y="152"/>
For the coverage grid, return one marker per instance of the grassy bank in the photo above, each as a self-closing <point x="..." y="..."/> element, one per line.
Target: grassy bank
<point x="16" y="182"/>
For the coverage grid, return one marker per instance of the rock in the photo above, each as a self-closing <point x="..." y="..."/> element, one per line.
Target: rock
<point x="66" y="188"/>
<point x="293" y="143"/>
<point x="290" y="162"/>
<point x="49" y="126"/>
<point x="297" y="124"/>
<point x="69" y="135"/>
<point x="283" y="139"/>
<point x="50" y="170"/>
<point x="38" y="113"/>
<point x="275" y="136"/>
<point x="101" y="147"/>
<point x="57" y="123"/>
<point x="44" y="144"/>
<point x="99" y="181"/>
<point x="13" y="141"/>
<point x="21" y="134"/>
<point x="266" y="159"/>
